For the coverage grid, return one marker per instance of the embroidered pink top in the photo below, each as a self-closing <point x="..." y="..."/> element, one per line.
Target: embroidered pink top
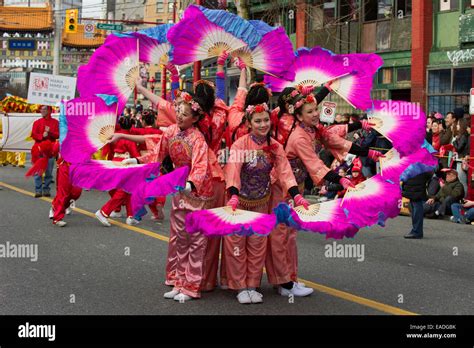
<point x="250" y="164"/>
<point x="186" y="148"/>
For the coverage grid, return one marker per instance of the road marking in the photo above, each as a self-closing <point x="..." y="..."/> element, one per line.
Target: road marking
<point x="319" y="287"/>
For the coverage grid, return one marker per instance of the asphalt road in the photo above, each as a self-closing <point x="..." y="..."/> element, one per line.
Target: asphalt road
<point x="87" y="263"/>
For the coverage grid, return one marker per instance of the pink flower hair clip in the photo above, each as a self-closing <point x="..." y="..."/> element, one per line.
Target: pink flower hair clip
<point x="256" y="108"/>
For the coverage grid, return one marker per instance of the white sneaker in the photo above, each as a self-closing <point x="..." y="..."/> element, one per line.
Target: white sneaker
<point x="103" y="220"/>
<point x="244" y="297"/>
<point x="182" y="297"/>
<point x="115" y="215"/>
<point x="72" y="204"/>
<point x="131" y="221"/>
<point x="255" y="296"/>
<point x="51" y="213"/>
<point x="171" y="294"/>
<point x="300" y="284"/>
<point x="60" y="223"/>
<point x="296" y="290"/>
<point x="68" y="211"/>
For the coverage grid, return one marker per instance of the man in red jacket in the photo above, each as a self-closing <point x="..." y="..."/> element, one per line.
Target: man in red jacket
<point x="46" y="129"/>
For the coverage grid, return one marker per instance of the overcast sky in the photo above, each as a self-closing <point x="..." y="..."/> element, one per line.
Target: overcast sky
<point x="92" y="8"/>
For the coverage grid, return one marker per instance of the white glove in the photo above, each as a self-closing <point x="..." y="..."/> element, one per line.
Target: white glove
<point x="188" y="188"/>
<point x="129" y="161"/>
<point x="45" y="134"/>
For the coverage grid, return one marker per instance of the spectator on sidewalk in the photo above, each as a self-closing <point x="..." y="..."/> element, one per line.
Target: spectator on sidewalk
<point x="415" y="190"/>
<point x="451" y="192"/>
<point x="463" y="212"/>
<point x="435" y="134"/>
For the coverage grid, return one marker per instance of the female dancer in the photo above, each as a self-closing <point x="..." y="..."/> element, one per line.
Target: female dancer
<point x="248" y="183"/>
<point x="304" y="142"/>
<point x="186" y="146"/>
<point x="149" y="118"/>
<point x="282" y="258"/>
<point x="122" y="149"/>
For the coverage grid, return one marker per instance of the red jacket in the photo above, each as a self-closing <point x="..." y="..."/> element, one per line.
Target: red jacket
<point x="124" y="146"/>
<point x="39" y="127"/>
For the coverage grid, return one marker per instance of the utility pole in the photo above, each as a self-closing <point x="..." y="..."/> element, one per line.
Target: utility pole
<point x="57" y="36"/>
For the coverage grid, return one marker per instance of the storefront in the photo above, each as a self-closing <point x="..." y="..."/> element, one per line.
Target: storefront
<point x="450" y="76"/>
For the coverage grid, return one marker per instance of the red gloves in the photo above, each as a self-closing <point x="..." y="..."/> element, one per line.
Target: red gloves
<point x="346" y="183"/>
<point x="233" y="202"/>
<point x="375" y="155"/>
<point x="328" y="85"/>
<point x="240" y="64"/>
<point x="222" y="58"/>
<point x="299" y="200"/>
<point x="366" y="125"/>
<point x="174" y="72"/>
<point x="305" y="90"/>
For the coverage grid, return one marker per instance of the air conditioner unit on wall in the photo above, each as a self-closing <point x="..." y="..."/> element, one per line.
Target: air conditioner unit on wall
<point x="444" y="5"/>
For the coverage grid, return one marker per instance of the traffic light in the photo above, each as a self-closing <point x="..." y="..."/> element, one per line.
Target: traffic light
<point x="71" y="20"/>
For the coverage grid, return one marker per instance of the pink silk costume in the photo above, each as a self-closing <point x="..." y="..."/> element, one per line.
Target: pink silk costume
<point x="282" y="254"/>
<point x="186" y="252"/>
<point x="245" y="256"/>
<point x="167" y="116"/>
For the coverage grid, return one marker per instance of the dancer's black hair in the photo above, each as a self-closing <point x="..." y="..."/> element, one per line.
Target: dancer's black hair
<point x="148" y="116"/>
<point x="125" y="122"/>
<point x="257" y="94"/>
<point x="298" y="111"/>
<point x="207" y="94"/>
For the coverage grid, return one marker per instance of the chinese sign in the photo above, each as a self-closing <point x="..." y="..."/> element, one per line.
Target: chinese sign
<point x="50" y="89"/>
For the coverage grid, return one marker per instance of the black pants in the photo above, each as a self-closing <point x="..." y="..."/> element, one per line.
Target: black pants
<point x="443" y="207"/>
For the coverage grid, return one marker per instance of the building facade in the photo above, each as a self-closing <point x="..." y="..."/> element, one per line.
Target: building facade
<point x="427" y="45"/>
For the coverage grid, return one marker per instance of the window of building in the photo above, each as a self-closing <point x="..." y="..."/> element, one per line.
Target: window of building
<point x="439" y="81"/>
<point x="160" y="7"/>
<point x="448" y="5"/>
<point x="403" y="8"/>
<point x="462" y="80"/>
<point x="403" y="74"/>
<point x="170" y="6"/>
<point x="448" y="89"/>
<point x="329" y="10"/>
<point x="385" y="76"/>
<point x="348" y="10"/>
<point x="377" y="9"/>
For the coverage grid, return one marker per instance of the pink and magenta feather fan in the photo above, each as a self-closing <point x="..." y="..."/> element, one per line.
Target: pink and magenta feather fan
<point x="146" y="191"/>
<point x="109" y="175"/>
<point x="372" y="202"/>
<point x="326" y="218"/>
<point x="90" y="123"/>
<point x="196" y="37"/>
<point x="393" y="165"/>
<point x="113" y="69"/>
<point x="402" y="123"/>
<point x="223" y="221"/>
<point x="311" y="67"/>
